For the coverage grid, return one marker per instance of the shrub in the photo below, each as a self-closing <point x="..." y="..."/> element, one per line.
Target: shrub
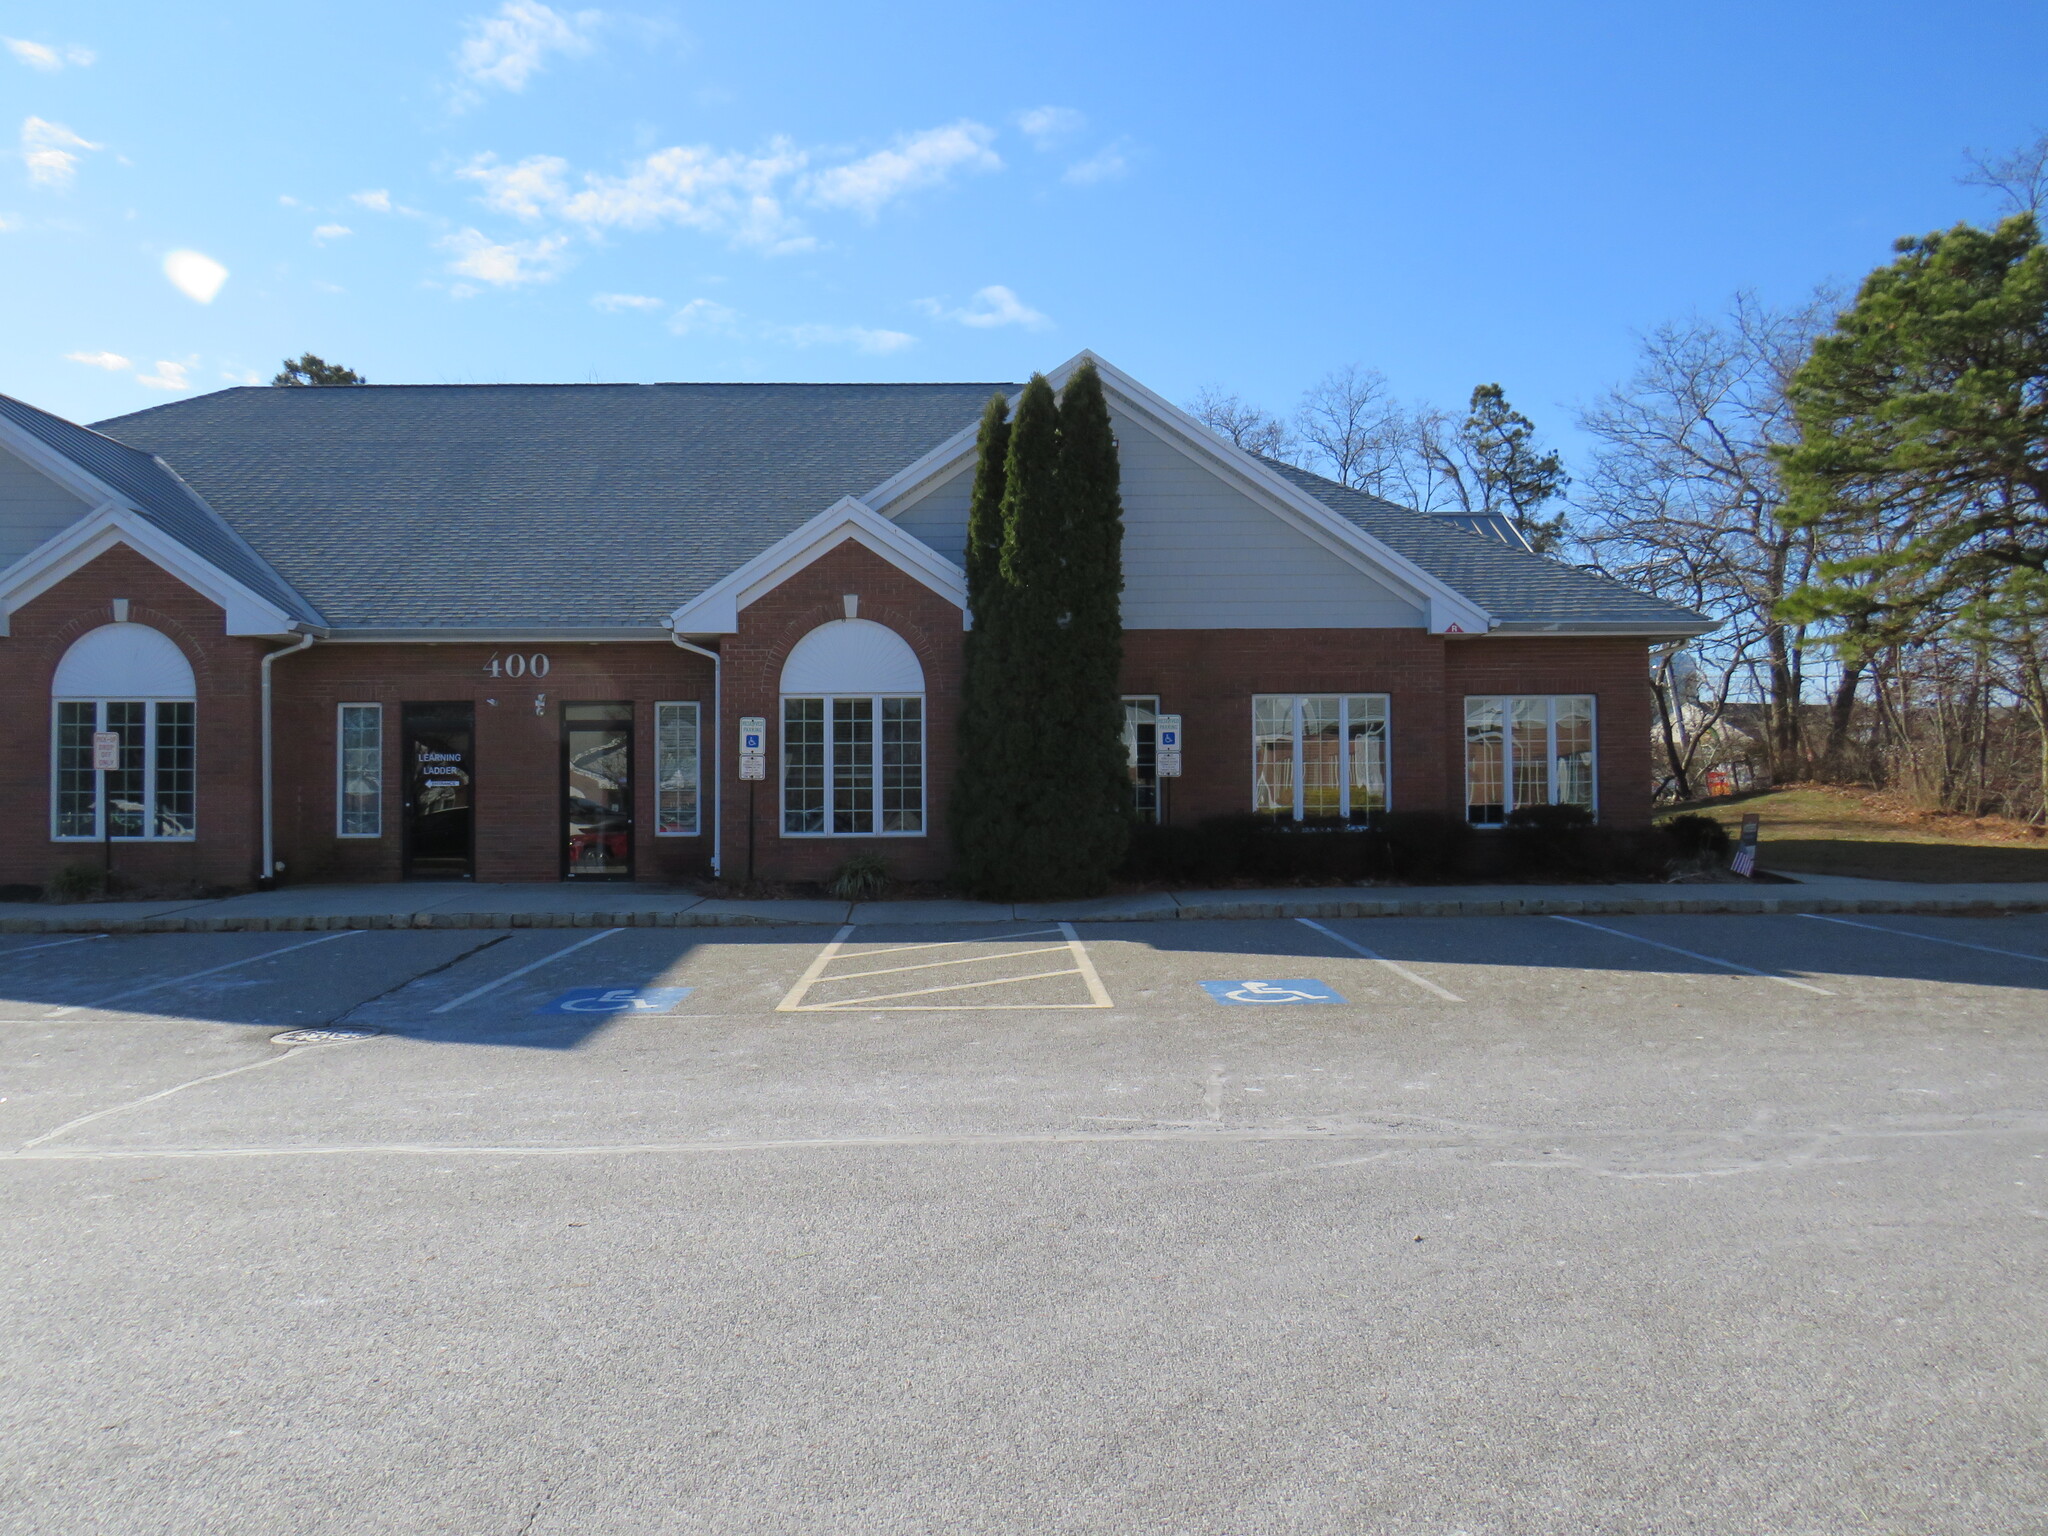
<point x="78" y="882"/>
<point x="861" y="877"/>
<point x="1697" y="837"/>
<point x="1424" y="847"/>
<point x="1552" y="840"/>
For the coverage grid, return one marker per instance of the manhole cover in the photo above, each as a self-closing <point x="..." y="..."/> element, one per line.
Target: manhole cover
<point x="323" y="1036"/>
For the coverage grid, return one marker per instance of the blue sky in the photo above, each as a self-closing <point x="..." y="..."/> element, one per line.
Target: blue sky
<point x="1205" y="194"/>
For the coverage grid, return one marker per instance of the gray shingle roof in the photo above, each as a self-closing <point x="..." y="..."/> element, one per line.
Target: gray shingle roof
<point x="163" y="499"/>
<point x="572" y="505"/>
<point x="1516" y="587"/>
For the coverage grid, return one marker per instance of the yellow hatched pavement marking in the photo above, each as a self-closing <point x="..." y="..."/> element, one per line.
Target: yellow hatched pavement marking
<point x="893" y="1002"/>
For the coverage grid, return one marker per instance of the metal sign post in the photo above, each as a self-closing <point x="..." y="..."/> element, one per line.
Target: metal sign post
<point x="1166" y="761"/>
<point x="106" y="759"/>
<point x="753" y="769"/>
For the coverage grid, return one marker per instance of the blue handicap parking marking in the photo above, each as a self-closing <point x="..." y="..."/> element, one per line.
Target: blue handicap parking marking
<point x="589" y="1000"/>
<point x="1303" y="990"/>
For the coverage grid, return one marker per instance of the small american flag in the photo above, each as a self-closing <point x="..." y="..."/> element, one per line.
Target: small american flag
<point x="1744" y="862"/>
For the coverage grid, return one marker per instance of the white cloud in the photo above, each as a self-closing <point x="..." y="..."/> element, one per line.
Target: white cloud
<point x="167" y="376"/>
<point x="703" y="315"/>
<point x="49" y="151"/>
<point x="113" y="362"/>
<point x="512" y="264"/>
<point x="42" y="56"/>
<point x="195" y="275"/>
<point x="917" y="160"/>
<point x="327" y="232"/>
<point x="1106" y="164"/>
<point x="507" y="49"/>
<point x="377" y="200"/>
<point x="729" y="194"/>
<point x="614" y="303"/>
<point x="1045" y="126"/>
<point x="991" y="306"/>
<point x="859" y="337"/>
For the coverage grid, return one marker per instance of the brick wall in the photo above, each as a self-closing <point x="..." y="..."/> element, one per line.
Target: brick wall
<point x="769" y="630"/>
<point x="225" y="677"/>
<point x="518" y="750"/>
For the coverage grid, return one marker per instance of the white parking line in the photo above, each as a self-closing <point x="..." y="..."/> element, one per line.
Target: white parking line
<point x="1907" y="933"/>
<point x="1690" y="954"/>
<point x="1393" y="965"/>
<point x="493" y="985"/>
<point x="58" y="944"/>
<point x="172" y="981"/>
<point x="893" y="1002"/>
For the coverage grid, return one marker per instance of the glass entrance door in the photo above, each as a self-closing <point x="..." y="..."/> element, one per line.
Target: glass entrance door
<point x="440" y="781"/>
<point x="597" y="791"/>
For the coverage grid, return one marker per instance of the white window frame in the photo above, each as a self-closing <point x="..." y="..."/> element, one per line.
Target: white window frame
<point x="1507" y="702"/>
<point x="696" y="827"/>
<point x="875" y="700"/>
<point x="1295" y="701"/>
<point x="149" y="772"/>
<point x="341" y="771"/>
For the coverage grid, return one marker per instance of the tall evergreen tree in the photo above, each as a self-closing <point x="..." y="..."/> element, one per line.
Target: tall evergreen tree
<point x="976" y="812"/>
<point x="1096" y="777"/>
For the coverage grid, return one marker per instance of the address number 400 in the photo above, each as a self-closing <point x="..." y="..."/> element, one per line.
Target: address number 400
<point x="516" y="665"/>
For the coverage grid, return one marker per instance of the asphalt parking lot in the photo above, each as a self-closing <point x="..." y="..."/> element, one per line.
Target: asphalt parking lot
<point x="1636" y="1224"/>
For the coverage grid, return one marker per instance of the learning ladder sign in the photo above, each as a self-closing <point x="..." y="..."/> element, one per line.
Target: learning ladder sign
<point x="106" y="751"/>
<point x="1167" y="747"/>
<point x="753" y="746"/>
<point x="1299" y="990"/>
<point x="612" y="1000"/>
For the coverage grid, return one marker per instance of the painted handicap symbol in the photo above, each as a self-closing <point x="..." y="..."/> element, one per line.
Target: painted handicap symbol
<point x="612" y="1000"/>
<point x="1299" y="990"/>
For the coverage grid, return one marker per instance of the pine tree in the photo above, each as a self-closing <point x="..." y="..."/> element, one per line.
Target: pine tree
<point x="976" y="806"/>
<point x="1515" y="476"/>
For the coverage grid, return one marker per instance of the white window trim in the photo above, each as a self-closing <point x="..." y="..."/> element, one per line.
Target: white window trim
<point x="1507" y="701"/>
<point x="341" y="774"/>
<point x="1151" y="701"/>
<point x="1344" y="728"/>
<point x="923" y="774"/>
<point x="697" y="801"/>
<point x="148" y="773"/>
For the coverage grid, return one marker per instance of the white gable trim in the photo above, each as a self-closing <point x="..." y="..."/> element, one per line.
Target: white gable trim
<point x="1446" y="609"/>
<point x="716" y="610"/>
<point x="110" y="525"/>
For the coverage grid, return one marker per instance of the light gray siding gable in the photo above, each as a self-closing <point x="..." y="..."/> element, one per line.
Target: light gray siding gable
<point x="1198" y="552"/>
<point x="33" y="508"/>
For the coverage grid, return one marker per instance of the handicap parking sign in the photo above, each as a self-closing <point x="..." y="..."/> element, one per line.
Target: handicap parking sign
<point x="589" y="1000"/>
<point x="1299" y="991"/>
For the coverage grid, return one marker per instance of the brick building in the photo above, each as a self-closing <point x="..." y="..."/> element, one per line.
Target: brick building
<point x="514" y="632"/>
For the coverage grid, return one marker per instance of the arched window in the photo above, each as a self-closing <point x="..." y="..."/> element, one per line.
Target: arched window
<point x="852" y="734"/>
<point x="133" y="683"/>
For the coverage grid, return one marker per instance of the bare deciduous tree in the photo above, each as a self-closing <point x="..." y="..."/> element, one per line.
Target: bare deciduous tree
<point x="1250" y="428"/>
<point x="1353" y="429"/>
<point x="1684" y="495"/>
<point x="2021" y="177"/>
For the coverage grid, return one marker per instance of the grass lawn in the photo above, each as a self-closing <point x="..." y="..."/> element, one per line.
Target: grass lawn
<point x="1811" y="829"/>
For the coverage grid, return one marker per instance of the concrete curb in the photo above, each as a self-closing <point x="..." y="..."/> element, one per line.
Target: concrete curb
<point x="1195" y="907"/>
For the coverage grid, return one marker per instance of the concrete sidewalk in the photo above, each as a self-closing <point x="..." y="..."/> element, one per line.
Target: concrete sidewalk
<point x="313" y="908"/>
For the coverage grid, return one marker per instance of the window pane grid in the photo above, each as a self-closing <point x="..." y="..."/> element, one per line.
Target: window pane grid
<point x="362" y="770"/>
<point x="902" y="765"/>
<point x="675" y="770"/>
<point x="853" y="766"/>
<point x="803" y="765"/>
<point x="1141" y="750"/>
<point x="1524" y="751"/>
<point x="78" y="800"/>
<point x="1322" y="756"/>
<point x="177" y="777"/>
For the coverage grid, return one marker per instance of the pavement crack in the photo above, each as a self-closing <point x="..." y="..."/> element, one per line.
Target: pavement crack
<point x="419" y="976"/>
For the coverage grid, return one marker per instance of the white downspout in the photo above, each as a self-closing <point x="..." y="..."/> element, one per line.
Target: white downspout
<point x="268" y="876"/>
<point x="717" y="752"/>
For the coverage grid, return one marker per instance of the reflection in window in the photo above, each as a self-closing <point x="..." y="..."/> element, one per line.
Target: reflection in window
<point x="361" y="769"/>
<point x="152" y="794"/>
<point x="675" y="770"/>
<point x="1531" y="750"/>
<point x="1320" y="756"/>
<point x="1141" y="751"/>
<point x="840" y="754"/>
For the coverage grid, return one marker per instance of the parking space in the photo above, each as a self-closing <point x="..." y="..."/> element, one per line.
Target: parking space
<point x="1419" y="1185"/>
